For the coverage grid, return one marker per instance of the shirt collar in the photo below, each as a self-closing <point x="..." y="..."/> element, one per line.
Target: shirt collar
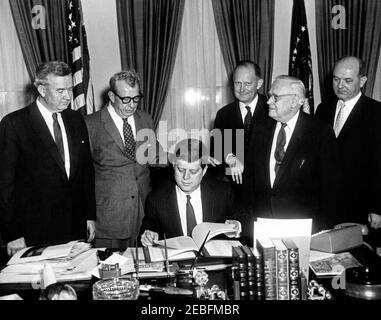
<point x="292" y="122"/>
<point x="46" y="113"/>
<point x="353" y="101"/>
<point x="195" y="193"/>
<point x="252" y="105"/>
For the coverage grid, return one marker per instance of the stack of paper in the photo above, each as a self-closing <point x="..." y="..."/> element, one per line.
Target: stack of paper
<point x="71" y="261"/>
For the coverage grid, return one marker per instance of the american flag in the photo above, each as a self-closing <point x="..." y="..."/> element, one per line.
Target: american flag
<point x="83" y="95"/>
<point x="300" y="65"/>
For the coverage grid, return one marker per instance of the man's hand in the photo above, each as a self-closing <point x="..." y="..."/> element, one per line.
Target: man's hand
<point x="236" y="168"/>
<point x="90" y="230"/>
<point x="237" y="227"/>
<point x="15" y="245"/>
<point x="212" y="161"/>
<point x="374" y="220"/>
<point x="148" y="238"/>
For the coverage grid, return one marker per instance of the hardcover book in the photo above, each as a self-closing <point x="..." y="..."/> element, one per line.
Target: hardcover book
<point x="239" y="263"/>
<point x="259" y="284"/>
<point x="282" y="273"/>
<point x="293" y="267"/>
<point x="250" y="270"/>
<point x="267" y="250"/>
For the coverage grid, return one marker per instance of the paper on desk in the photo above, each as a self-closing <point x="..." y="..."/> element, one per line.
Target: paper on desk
<point x="319" y="255"/>
<point x="299" y="230"/>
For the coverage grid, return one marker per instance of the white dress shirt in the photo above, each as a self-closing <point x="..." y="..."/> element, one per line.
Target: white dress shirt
<point x="289" y="129"/>
<point x="195" y="200"/>
<point x="348" y="107"/>
<point x="119" y="122"/>
<point x="252" y="105"/>
<point x="48" y="117"/>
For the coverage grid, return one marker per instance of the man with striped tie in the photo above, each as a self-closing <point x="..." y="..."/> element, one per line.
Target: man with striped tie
<point x="176" y="207"/>
<point x="122" y="179"/>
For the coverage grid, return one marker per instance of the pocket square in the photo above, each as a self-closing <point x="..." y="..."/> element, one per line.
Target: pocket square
<point x="302" y="163"/>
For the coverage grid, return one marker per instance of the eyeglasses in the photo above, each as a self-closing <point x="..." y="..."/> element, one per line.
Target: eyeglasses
<point x="126" y="100"/>
<point x="277" y="97"/>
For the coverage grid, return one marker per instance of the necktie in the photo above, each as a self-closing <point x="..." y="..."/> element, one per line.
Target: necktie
<point x="129" y="141"/>
<point x="191" y="219"/>
<point x="279" y="150"/>
<point x="247" y="126"/>
<point x="58" y="136"/>
<point x="339" y="123"/>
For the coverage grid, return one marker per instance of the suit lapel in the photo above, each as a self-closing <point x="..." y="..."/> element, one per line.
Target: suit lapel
<point x="207" y="200"/>
<point x="293" y="147"/>
<point x="111" y="128"/>
<point x="237" y="117"/>
<point x="73" y="146"/>
<point x="39" y="126"/>
<point x="173" y="211"/>
<point x="267" y="140"/>
<point x="352" y="118"/>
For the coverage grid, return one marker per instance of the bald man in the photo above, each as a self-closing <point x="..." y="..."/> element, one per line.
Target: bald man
<point x="356" y="120"/>
<point x="293" y="169"/>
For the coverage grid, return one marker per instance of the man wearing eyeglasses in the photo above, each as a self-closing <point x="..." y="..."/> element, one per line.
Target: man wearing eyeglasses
<point x="122" y="177"/>
<point x="293" y="169"/>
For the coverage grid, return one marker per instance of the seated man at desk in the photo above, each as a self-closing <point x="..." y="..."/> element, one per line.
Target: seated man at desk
<point x="176" y="207"/>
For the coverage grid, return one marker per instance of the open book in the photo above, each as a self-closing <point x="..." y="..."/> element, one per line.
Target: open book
<point x="71" y="261"/>
<point x="184" y="247"/>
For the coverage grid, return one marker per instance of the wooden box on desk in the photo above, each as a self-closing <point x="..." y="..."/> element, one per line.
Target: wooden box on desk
<point x="337" y="240"/>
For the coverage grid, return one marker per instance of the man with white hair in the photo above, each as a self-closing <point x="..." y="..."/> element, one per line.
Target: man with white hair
<point x="293" y="169"/>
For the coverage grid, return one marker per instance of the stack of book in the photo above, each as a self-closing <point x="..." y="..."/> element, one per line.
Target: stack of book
<point x="268" y="272"/>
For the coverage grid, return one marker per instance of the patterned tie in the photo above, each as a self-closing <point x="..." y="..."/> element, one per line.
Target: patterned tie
<point x="58" y="136"/>
<point x="129" y="141"/>
<point x="279" y="150"/>
<point x="339" y="123"/>
<point x="191" y="219"/>
<point x="247" y="126"/>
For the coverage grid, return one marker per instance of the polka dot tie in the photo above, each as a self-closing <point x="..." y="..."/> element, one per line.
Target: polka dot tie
<point x="129" y="141"/>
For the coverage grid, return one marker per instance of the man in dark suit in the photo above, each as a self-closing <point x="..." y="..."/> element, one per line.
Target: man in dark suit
<point x="46" y="171"/>
<point x="293" y="162"/>
<point x="118" y="137"/>
<point x="240" y="118"/>
<point x="177" y="207"/>
<point x="356" y="120"/>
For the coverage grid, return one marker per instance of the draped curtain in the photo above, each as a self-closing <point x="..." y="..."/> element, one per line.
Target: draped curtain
<point x="125" y="10"/>
<point x="199" y="84"/>
<point x="40" y="45"/>
<point x="15" y="82"/>
<point x="361" y="37"/>
<point x="246" y="31"/>
<point x="161" y="33"/>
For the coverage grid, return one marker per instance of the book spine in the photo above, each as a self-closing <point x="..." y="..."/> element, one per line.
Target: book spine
<point x="269" y="268"/>
<point x="282" y="275"/>
<point x="250" y="269"/>
<point x="243" y="285"/>
<point x="259" y="277"/>
<point x="294" y="275"/>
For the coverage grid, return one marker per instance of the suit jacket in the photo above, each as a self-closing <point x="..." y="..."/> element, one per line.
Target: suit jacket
<point x="162" y="213"/>
<point x="37" y="199"/>
<point x="359" y="144"/>
<point x="121" y="185"/>
<point x="229" y="117"/>
<point x="308" y="179"/>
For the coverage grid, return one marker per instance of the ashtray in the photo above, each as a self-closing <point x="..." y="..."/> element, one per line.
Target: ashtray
<point x="116" y="289"/>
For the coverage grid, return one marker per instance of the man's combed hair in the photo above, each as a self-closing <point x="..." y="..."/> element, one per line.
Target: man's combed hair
<point x="294" y="83"/>
<point x="190" y="150"/>
<point x="249" y="64"/>
<point x="131" y="77"/>
<point x="55" y="68"/>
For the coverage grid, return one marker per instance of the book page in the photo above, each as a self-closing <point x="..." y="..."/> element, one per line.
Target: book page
<point x="157" y="254"/>
<point x="221" y="248"/>
<point x="183" y="243"/>
<point x="201" y="230"/>
<point x="39" y="253"/>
